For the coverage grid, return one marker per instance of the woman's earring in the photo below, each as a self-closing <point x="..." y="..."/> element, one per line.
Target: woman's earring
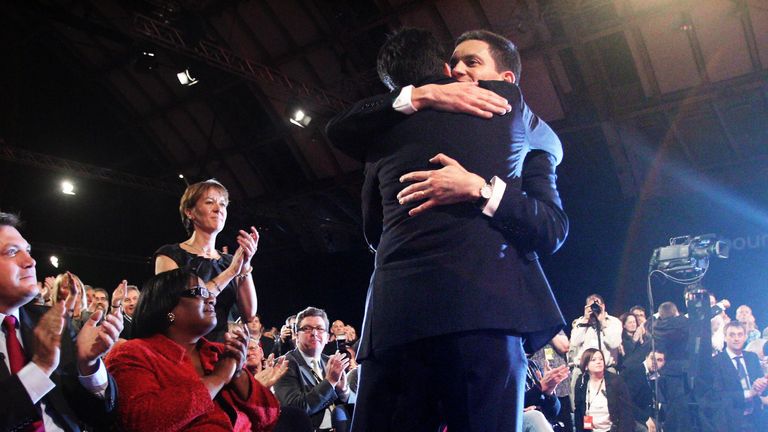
<point x="171" y="317"/>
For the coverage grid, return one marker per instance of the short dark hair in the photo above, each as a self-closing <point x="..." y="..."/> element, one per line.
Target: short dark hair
<point x="667" y="310"/>
<point x="586" y="356"/>
<point x="9" y="219"/>
<point x="597" y="296"/>
<point x="159" y="296"/>
<point x="310" y="312"/>
<point x="192" y="194"/>
<point x="636" y="308"/>
<point x="504" y="52"/>
<point x="657" y="350"/>
<point x="408" y="55"/>
<point x="734" y="323"/>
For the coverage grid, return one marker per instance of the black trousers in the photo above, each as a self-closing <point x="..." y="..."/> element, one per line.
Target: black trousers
<point x="471" y="381"/>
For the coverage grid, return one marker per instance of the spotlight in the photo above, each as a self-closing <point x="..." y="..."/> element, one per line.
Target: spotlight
<point x="67" y="187"/>
<point x="186" y="79"/>
<point x="54" y="261"/>
<point x="181" y="176"/>
<point x="300" y="119"/>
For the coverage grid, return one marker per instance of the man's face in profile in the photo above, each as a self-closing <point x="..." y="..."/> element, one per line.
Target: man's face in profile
<point x="472" y="61"/>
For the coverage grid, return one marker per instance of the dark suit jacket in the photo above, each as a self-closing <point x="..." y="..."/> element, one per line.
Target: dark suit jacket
<point x="298" y="388"/>
<point x="69" y="404"/>
<point x="452" y="269"/>
<point x="640" y="391"/>
<point x="728" y="391"/>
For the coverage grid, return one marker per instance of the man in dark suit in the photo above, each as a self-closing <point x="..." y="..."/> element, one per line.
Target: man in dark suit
<point x="457" y="285"/>
<point x="316" y="383"/>
<point x="738" y="383"/>
<point x="49" y="379"/>
<point x="641" y="379"/>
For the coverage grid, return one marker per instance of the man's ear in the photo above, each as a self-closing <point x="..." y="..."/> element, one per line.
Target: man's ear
<point x="446" y="69"/>
<point x="509" y="77"/>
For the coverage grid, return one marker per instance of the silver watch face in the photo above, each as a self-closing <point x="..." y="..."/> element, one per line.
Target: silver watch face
<point x="485" y="191"/>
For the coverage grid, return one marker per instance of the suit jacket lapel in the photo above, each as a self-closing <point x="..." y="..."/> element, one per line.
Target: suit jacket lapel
<point x="27" y="327"/>
<point x="306" y="370"/>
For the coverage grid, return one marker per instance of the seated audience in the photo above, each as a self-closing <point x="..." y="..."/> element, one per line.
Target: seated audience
<point x="745" y="317"/>
<point x="287" y="340"/>
<point x="316" y="382"/>
<point x="49" y="379"/>
<point x="628" y="344"/>
<point x="65" y="283"/>
<point x="641" y="383"/>
<point x="256" y="328"/>
<point x="266" y="370"/>
<point x="171" y="378"/>
<point x="128" y="304"/>
<point x="602" y="398"/>
<point x="554" y="355"/>
<point x="541" y="405"/>
<point x="739" y="383"/>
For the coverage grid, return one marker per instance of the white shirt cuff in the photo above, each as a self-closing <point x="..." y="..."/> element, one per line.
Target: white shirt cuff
<point x="35" y="381"/>
<point x="497" y="191"/>
<point x="97" y="382"/>
<point x="403" y="102"/>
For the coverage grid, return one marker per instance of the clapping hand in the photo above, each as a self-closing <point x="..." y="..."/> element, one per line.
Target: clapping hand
<point x="273" y="371"/>
<point x="48" y="334"/>
<point x="95" y="340"/>
<point x="334" y="370"/>
<point x="551" y="378"/>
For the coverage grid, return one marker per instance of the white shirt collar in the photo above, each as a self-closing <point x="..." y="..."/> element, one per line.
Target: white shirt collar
<point x="733" y="355"/>
<point x="14" y="312"/>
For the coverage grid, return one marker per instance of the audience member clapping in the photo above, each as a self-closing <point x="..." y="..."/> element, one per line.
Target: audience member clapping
<point x="745" y="317"/>
<point x="171" y="378"/>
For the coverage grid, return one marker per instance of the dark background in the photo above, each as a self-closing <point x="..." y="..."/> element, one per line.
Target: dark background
<point x="53" y="104"/>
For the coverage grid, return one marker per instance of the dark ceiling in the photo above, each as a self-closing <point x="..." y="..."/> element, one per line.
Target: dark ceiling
<point x="662" y="107"/>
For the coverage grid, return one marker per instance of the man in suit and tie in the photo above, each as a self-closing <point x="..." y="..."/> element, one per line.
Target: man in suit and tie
<point x="49" y="379"/>
<point x="457" y="286"/>
<point x="738" y="383"/>
<point x="316" y="383"/>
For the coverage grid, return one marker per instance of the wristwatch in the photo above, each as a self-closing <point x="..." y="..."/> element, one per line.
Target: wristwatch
<point x="485" y="194"/>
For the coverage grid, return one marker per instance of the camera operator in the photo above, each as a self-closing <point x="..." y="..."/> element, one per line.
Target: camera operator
<point x="596" y="329"/>
<point x="687" y="374"/>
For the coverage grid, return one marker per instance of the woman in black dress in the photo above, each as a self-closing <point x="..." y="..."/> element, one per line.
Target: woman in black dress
<point x="203" y="211"/>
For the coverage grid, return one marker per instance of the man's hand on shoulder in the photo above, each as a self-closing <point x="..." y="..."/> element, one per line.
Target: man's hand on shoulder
<point x="448" y="185"/>
<point x="460" y="97"/>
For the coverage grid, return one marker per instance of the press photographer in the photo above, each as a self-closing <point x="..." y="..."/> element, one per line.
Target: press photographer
<point x="596" y="329"/>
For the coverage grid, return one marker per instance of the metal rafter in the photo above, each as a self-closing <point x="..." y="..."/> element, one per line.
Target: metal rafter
<point x="225" y="59"/>
<point x="83" y="170"/>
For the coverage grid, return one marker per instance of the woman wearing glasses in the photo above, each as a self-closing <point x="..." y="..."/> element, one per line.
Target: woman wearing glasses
<point x="171" y="378"/>
<point x="203" y="210"/>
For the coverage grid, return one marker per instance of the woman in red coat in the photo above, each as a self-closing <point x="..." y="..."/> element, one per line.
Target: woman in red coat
<point x="170" y="378"/>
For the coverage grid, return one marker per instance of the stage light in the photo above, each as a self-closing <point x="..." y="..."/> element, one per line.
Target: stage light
<point x="54" y="261"/>
<point x="181" y="176"/>
<point x="67" y="187"/>
<point x="186" y="79"/>
<point x="300" y="118"/>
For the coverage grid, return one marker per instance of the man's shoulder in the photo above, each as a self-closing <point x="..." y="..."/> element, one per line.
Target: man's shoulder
<point x="503" y="88"/>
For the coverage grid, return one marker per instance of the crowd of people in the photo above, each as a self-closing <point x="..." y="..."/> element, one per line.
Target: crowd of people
<point x="188" y="351"/>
